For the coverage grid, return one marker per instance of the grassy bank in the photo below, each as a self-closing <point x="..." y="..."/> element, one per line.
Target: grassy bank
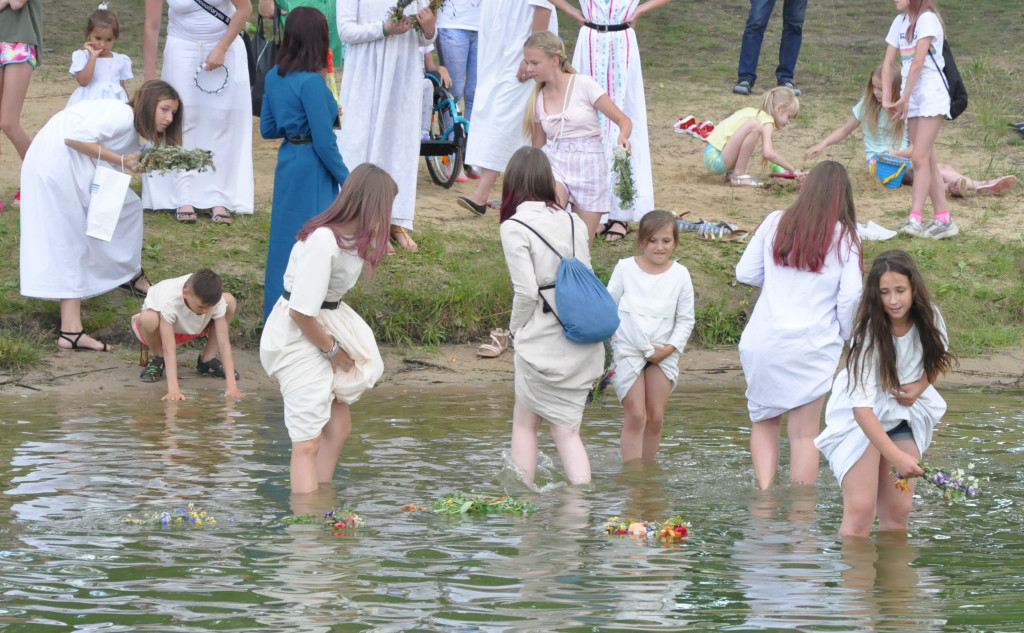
<point x="456" y="288"/>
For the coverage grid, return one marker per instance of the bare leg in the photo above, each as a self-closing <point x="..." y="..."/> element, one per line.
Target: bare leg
<point x="525" y="424"/>
<point x="893" y="504"/>
<point x="739" y="149"/>
<point x="149" y="325"/>
<point x="71" y="321"/>
<point x="802" y="426"/>
<point x="573" y="454"/>
<point x="764" y="449"/>
<point x="592" y="219"/>
<point x="658" y="389"/>
<point x="333" y="438"/>
<point x="860" y="494"/>
<point x="483" y="186"/>
<point x="303" y="465"/>
<point x="14" y="80"/>
<point x="927" y="178"/>
<point x="634" y="408"/>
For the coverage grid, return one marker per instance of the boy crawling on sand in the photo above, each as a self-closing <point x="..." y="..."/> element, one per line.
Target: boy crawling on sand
<point x="181" y="309"/>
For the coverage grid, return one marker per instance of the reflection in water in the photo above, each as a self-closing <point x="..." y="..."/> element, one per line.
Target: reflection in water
<point x="72" y="468"/>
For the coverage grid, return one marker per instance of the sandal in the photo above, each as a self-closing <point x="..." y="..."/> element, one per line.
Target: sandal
<point x="400" y="236"/>
<point x="469" y="205"/>
<point x="998" y="186"/>
<point x="213" y="367"/>
<point x="611" y="232"/>
<point x="131" y="286"/>
<point x="185" y="216"/>
<point x="721" y="231"/>
<point x="74" y="342"/>
<point x="958" y="188"/>
<point x="685" y="225"/>
<point x="745" y="180"/>
<point x="154" y="370"/>
<point x="498" y="344"/>
<point x="220" y="217"/>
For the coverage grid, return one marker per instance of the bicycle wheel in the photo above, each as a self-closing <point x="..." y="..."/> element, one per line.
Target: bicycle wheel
<point x="445" y="168"/>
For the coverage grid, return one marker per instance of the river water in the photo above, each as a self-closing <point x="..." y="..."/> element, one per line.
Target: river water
<point x="71" y="468"/>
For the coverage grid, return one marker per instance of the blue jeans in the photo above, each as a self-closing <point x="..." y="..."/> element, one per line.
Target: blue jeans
<point x="792" y="35"/>
<point x="458" y="54"/>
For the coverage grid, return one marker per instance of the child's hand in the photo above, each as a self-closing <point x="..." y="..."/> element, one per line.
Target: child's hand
<point x="814" y="151"/>
<point x="446" y="79"/>
<point x="907" y="465"/>
<point x="397" y="28"/>
<point x="909" y="393"/>
<point x="800" y="174"/>
<point x="661" y="352"/>
<point x="92" y="48"/>
<point x="131" y="161"/>
<point x="624" y="141"/>
<point x="427" y="19"/>
<point x="342" y="361"/>
<point x="173" y="396"/>
<point x="233" y="392"/>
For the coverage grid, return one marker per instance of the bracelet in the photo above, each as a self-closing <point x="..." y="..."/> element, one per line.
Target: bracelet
<point x="122" y="163"/>
<point x="331" y="353"/>
<point x="384" y="27"/>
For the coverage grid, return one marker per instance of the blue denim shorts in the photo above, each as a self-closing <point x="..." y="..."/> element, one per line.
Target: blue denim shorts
<point x="713" y="160"/>
<point x="901" y="431"/>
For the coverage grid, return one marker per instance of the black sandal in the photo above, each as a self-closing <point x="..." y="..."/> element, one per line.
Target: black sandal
<point x="612" y="230"/>
<point x="469" y="205"/>
<point x="74" y="342"/>
<point x="135" y="290"/>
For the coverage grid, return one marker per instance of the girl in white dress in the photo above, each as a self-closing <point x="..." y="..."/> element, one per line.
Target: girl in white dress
<point x="219" y="108"/>
<point x="655" y="298"/>
<point x="916" y="36"/>
<point x="381" y="99"/>
<point x="58" y="260"/>
<point x="883" y="407"/>
<point x="321" y="353"/>
<point x="100" y="71"/>
<point x="807" y="262"/>
<point x="562" y="117"/>
<point x="553" y="375"/>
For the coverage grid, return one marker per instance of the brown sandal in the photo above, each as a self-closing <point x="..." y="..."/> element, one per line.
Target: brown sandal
<point x="400" y="236"/>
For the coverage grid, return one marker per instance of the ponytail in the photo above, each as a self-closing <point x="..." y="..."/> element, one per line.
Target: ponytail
<point x="552" y="46"/>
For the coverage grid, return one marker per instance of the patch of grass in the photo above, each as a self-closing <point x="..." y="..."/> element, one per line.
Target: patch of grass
<point x="16" y="353"/>
<point x="718" y="326"/>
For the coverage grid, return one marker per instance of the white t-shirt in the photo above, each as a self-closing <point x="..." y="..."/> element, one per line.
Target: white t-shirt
<point x="882" y="140"/>
<point x="579" y="118"/>
<point x="167" y="299"/>
<point x="928" y="25"/>
<point x="460" y="14"/>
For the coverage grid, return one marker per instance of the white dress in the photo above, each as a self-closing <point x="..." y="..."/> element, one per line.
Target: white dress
<point x="553" y="374"/>
<point x="653" y="309"/>
<point x="107" y="76"/>
<point x="613" y="59"/>
<point x="381" y="98"/>
<point x="318" y="271"/>
<point x="843" y="442"/>
<point x="497" y="129"/>
<point x="791" y="345"/>
<point x="58" y="261"/>
<point x="930" y="96"/>
<point x="220" y="122"/>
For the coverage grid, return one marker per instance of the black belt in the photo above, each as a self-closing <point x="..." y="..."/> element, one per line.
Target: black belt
<point x="326" y="305"/>
<point x="605" y="28"/>
<point x="299" y="139"/>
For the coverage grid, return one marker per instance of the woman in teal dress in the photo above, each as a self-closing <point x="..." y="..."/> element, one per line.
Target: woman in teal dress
<point x="299" y="107"/>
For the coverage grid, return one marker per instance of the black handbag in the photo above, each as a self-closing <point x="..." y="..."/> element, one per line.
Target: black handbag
<point x="263" y="56"/>
<point x="954" y="83"/>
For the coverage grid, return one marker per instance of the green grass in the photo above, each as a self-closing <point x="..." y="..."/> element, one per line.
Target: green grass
<point x="456" y="288"/>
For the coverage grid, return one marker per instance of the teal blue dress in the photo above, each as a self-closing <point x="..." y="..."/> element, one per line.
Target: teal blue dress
<point x="310" y="170"/>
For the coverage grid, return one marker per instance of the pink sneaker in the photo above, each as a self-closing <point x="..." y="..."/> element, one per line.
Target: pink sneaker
<point x="685" y="125"/>
<point x="461" y="178"/>
<point x="998" y="186"/>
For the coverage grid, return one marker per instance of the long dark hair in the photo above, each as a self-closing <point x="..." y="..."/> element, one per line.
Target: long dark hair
<point x="306" y="42"/>
<point x="367" y="195"/>
<point x="807" y="228"/>
<point x="527" y="178"/>
<point x="144" y="104"/>
<point x="872" y="331"/>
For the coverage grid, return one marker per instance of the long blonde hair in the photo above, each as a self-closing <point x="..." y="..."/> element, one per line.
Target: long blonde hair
<point x="873" y="110"/>
<point x="552" y="46"/>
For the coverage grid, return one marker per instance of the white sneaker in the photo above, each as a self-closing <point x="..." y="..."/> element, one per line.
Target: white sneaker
<point x="940" y="230"/>
<point x="911" y="228"/>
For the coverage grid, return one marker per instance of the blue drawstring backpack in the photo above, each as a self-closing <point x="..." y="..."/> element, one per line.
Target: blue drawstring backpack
<point x="586" y="311"/>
